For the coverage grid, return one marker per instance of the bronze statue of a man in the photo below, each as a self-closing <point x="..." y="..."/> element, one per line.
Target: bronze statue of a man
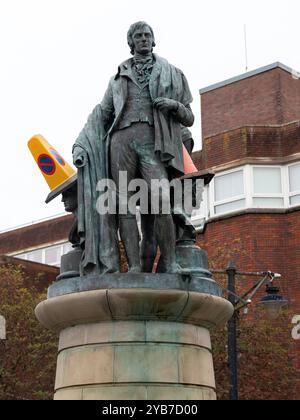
<point x="142" y="113"/>
<point x="69" y="198"/>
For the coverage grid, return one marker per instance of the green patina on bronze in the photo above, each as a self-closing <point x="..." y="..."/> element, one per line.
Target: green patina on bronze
<point x="146" y="95"/>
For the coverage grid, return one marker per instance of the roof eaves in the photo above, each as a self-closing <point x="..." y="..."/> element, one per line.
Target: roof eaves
<point x="247" y="75"/>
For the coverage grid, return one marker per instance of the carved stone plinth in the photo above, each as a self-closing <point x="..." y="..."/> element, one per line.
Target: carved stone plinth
<point x="134" y="337"/>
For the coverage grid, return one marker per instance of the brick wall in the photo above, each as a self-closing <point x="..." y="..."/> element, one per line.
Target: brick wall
<point x="249" y="142"/>
<point x="272" y="97"/>
<point x="259" y="242"/>
<point x="36" y="235"/>
<point x="290" y="97"/>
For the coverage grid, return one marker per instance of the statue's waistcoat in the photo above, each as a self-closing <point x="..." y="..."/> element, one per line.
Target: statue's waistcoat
<point x="138" y="106"/>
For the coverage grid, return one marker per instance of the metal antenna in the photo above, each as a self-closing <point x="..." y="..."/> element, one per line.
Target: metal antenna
<point x="246" y="49"/>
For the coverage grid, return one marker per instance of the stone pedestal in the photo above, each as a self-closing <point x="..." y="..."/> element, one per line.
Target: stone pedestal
<point x="134" y="337"/>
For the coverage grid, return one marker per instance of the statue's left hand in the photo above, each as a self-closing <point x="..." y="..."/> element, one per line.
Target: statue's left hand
<point x="79" y="157"/>
<point x="165" y="104"/>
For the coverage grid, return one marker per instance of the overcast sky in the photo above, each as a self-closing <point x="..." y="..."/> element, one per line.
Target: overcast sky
<point x="57" y="57"/>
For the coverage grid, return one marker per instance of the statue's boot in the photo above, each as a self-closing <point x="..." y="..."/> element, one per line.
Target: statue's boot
<point x="166" y="239"/>
<point x="130" y="237"/>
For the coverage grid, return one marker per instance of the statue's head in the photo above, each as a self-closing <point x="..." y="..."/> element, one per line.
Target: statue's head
<point x="140" y="38"/>
<point x="69" y="198"/>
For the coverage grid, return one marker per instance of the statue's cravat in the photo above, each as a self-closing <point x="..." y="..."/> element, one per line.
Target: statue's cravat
<point x="142" y="68"/>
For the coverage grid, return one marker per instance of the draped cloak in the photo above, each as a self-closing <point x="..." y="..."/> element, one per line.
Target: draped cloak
<point x="97" y="232"/>
<point x="170" y="83"/>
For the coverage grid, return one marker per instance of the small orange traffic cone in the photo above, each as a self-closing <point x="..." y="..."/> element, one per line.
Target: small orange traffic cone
<point x="189" y="166"/>
<point x="58" y="174"/>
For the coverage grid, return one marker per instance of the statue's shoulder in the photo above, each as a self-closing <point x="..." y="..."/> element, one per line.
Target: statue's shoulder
<point x="123" y="68"/>
<point x="165" y="63"/>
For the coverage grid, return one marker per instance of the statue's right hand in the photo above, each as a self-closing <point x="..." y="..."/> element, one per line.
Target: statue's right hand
<point x="79" y="157"/>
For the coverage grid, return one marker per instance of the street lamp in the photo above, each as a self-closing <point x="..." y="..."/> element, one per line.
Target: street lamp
<point x="272" y="303"/>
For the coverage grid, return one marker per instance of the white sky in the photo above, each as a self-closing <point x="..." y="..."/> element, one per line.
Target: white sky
<point x="57" y="57"/>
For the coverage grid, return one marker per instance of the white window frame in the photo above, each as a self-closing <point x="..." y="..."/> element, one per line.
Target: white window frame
<point x="60" y="253"/>
<point x="289" y="193"/>
<point x="198" y="218"/>
<point x="25" y="255"/>
<point x="213" y="204"/>
<point x="254" y="195"/>
<point x="210" y="203"/>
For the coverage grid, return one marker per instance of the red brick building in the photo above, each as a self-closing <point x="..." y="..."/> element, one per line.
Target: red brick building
<point x="251" y="140"/>
<point x="37" y="249"/>
<point x="42" y="242"/>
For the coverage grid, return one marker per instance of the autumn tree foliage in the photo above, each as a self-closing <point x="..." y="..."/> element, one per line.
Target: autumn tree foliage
<point x="265" y="365"/>
<point x="266" y="369"/>
<point x="28" y="355"/>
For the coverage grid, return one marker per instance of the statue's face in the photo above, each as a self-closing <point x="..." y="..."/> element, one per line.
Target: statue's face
<point x="69" y="198"/>
<point x="143" y="41"/>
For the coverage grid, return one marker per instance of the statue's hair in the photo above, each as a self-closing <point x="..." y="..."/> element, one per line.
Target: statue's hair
<point x="134" y="27"/>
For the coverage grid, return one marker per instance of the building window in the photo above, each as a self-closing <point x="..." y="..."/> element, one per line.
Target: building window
<point x="35" y="256"/>
<point x="67" y="248"/>
<point x="267" y="187"/>
<point x="49" y="256"/>
<point x="294" y="184"/>
<point x="52" y="255"/>
<point x="199" y="216"/>
<point x="255" y="186"/>
<point x="229" y="192"/>
<point x="22" y="256"/>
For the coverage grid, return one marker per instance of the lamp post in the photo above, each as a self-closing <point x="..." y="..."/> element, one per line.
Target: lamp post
<point x="2" y="328"/>
<point x="232" y="339"/>
<point x="272" y="303"/>
<point x="2" y="334"/>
